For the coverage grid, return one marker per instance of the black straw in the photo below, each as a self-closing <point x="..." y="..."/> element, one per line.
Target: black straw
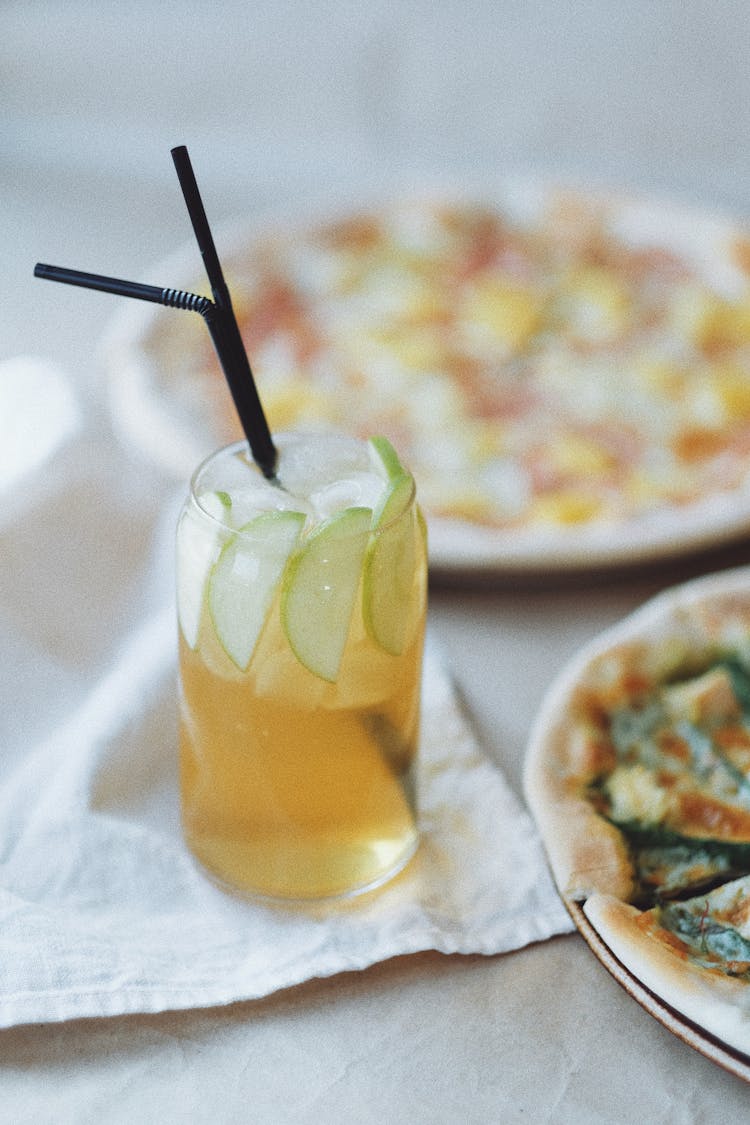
<point x="226" y="334"/>
<point x="173" y="298"/>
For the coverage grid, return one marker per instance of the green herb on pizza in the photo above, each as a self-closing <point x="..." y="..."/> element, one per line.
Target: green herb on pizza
<point x="638" y="774"/>
<point x="679" y="786"/>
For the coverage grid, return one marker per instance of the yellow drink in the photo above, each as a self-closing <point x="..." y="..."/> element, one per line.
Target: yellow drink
<point x="297" y="780"/>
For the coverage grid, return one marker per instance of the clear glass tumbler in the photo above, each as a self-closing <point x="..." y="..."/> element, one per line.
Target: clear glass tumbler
<point x="302" y="612"/>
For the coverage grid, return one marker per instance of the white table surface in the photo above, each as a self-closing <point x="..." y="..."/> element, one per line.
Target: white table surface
<point x="289" y="102"/>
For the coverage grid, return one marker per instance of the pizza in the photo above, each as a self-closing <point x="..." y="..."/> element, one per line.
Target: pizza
<point x="694" y="954"/>
<point x="567" y="375"/>
<point x="638" y="775"/>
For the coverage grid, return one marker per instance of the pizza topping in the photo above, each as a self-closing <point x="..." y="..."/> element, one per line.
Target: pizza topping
<point x="712" y="929"/>
<point x="665" y="869"/>
<point x="635" y="795"/>
<point x="698" y="814"/>
<point x="609" y="374"/>
<point x="704" y="699"/>
<point x="678" y="781"/>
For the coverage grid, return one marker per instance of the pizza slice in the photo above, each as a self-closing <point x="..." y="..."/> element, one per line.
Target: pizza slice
<point x="638" y="775"/>
<point x="695" y="955"/>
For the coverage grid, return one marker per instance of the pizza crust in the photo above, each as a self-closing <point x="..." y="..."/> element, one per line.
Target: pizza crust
<point x="719" y="1004"/>
<point x="586" y="852"/>
<point x="677" y="630"/>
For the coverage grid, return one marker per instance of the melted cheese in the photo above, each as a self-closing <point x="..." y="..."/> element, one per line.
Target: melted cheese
<point x="613" y="377"/>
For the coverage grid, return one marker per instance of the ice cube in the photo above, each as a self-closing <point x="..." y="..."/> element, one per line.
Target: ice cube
<point x="281" y="675"/>
<point x="359" y="490"/>
<point x="228" y="473"/>
<point x="262" y="496"/>
<point x="308" y="462"/>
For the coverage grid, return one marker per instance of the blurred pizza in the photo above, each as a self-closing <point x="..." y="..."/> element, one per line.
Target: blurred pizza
<point x="567" y="375"/>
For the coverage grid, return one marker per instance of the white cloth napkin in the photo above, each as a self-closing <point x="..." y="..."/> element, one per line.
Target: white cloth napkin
<point x="102" y="910"/>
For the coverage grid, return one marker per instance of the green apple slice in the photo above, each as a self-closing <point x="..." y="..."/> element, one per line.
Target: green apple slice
<point x="245" y="577"/>
<point x="384" y="458"/>
<point x="320" y="589"/>
<point x="389" y="568"/>
<point x="199" y="543"/>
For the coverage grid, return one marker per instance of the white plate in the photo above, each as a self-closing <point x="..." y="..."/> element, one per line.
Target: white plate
<point x="167" y="404"/>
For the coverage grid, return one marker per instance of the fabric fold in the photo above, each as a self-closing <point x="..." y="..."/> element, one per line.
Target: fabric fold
<point x="103" y="911"/>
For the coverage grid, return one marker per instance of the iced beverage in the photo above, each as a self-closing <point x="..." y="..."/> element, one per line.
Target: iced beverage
<point x="302" y="608"/>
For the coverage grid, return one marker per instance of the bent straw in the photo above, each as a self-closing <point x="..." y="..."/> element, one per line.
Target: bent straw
<point x="172" y="298"/>
<point x="230" y="346"/>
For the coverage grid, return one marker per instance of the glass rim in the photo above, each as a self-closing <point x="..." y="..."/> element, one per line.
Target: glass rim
<point x="243" y="445"/>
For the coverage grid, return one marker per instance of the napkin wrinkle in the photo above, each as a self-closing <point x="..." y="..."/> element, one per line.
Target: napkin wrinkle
<point x="65" y="768"/>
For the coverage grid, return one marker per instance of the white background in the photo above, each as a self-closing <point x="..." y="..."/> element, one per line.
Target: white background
<point x="281" y="102"/>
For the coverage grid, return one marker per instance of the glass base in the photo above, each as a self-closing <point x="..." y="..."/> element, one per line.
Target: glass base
<point x="297" y="897"/>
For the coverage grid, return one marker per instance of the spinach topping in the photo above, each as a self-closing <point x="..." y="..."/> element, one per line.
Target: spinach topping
<point x="676" y="755"/>
<point x="710" y="943"/>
